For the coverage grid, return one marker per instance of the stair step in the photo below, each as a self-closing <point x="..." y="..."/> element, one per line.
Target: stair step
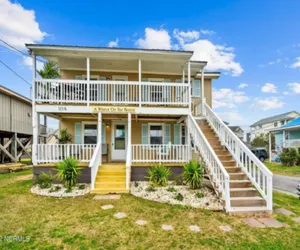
<point x="109" y="191"/>
<point x="109" y="178"/>
<point x="111" y="173"/>
<point x="240" y="183"/>
<point x="233" y="170"/>
<point x="254" y="201"/>
<point x="217" y="147"/>
<point x="220" y="152"/>
<point x="253" y="210"/>
<point x="243" y="192"/>
<point x="225" y="157"/>
<point x="229" y="163"/>
<point x="238" y="176"/>
<point x="110" y="185"/>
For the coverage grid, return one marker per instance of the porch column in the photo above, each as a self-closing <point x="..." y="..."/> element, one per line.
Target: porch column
<point x="270" y="147"/>
<point x="128" y="161"/>
<point x="202" y="91"/>
<point x="88" y="79"/>
<point x="283" y="139"/>
<point x="129" y="133"/>
<point x="190" y="87"/>
<point x="140" y="85"/>
<point x="183" y="75"/>
<point x="100" y="135"/>
<point x="35" y="131"/>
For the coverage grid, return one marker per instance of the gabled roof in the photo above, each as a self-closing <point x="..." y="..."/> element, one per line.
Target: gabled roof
<point x="236" y="128"/>
<point x="274" y="118"/>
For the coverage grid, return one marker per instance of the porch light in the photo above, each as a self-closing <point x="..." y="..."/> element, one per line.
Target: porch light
<point x="107" y="124"/>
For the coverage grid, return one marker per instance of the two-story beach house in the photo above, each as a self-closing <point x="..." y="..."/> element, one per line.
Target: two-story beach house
<point x="129" y="109"/>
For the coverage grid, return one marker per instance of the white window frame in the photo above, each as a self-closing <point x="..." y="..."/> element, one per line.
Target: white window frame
<point x="163" y="131"/>
<point x="185" y="136"/>
<point x="82" y="130"/>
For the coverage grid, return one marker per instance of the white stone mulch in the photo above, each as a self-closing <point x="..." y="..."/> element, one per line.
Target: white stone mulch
<point x="210" y="201"/>
<point x="60" y="193"/>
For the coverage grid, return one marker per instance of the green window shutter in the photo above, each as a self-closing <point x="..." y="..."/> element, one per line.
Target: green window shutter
<point x="196" y="88"/>
<point x="103" y="133"/>
<point x="167" y="137"/>
<point x="78" y="132"/>
<point x="144" y="133"/>
<point x="145" y="97"/>
<point x="78" y="77"/>
<point x="176" y="133"/>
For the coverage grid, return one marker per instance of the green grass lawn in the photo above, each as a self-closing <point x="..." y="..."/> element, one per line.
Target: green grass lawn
<point x="80" y="223"/>
<point x="278" y="168"/>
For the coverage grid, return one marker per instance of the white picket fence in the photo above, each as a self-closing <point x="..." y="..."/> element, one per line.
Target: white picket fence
<point x="50" y="153"/>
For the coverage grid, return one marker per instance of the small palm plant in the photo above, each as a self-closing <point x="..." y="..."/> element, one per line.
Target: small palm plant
<point x="159" y="175"/>
<point x="68" y="172"/>
<point x="64" y="136"/>
<point x="193" y="174"/>
<point x="49" y="70"/>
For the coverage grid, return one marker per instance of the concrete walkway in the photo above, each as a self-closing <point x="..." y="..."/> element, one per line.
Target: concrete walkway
<point x="286" y="183"/>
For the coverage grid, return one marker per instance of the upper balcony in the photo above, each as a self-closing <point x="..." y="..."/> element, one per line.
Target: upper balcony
<point x="106" y="76"/>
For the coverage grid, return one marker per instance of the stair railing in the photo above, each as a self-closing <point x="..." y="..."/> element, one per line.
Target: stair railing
<point x="260" y="176"/>
<point x="94" y="163"/>
<point x="219" y="175"/>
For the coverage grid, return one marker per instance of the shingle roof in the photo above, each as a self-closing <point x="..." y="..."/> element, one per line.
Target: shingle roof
<point x="273" y="118"/>
<point x="234" y="128"/>
<point x="295" y="122"/>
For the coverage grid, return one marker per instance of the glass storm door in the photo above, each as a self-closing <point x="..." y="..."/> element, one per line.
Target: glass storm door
<point x="119" y="141"/>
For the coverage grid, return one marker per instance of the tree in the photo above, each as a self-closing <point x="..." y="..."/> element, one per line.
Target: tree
<point x="64" y="136"/>
<point x="262" y="140"/>
<point x="49" y="71"/>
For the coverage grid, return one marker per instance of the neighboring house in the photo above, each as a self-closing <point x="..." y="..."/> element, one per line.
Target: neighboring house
<point x="248" y="137"/>
<point x="238" y="131"/>
<point x="16" y="125"/>
<point x="53" y="137"/>
<point x="287" y="136"/>
<point x="129" y="109"/>
<point x="263" y="126"/>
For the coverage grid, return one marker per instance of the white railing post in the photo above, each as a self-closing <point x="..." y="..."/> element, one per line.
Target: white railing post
<point x="99" y="137"/>
<point x="129" y="154"/>
<point x="270" y="193"/>
<point x="88" y="79"/>
<point x="140" y="80"/>
<point x="202" y="89"/>
<point x="190" y="87"/>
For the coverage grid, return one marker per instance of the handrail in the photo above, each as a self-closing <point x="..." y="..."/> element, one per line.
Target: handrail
<point x="94" y="163"/>
<point x="215" y="166"/>
<point x="248" y="162"/>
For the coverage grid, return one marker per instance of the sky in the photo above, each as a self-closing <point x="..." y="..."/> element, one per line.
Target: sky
<point x="254" y="44"/>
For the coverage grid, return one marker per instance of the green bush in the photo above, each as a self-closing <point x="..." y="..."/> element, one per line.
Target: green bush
<point x="159" y="175"/>
<point x="193" y="174"/>
<point x="68" y="172"/>
<point x="171" y="189"/>
<point x="290" y="157"/>
<point x="178" y="197"/>
<point x="200" y="194"/>
<point x="81" y="187"/>
<point x="45" y="180"/>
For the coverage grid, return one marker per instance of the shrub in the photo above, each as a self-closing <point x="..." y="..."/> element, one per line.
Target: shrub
<point x="193" y="174"/>
<point x="68" y="172"/>
<point x="150" y="189"/>
<point x="159" y="175"/>
<point x="45" y="180"/>
<point x="200" y="194"/>
<point x="178" y="197"/>
<point x="289" y="157"/>
<point x="171" y="189"/>
<point x="81" y="187"/>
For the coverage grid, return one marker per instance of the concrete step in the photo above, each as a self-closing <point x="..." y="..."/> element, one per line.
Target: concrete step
<point x="110" y="185"/>
<point x="109" y="191"/>
<point x="229" y="163"/>
<point x="243" y="192"/>
<point x="254" y="201"/>
<point x="253" y="210"/>
<point x="233" y="170"/>
<point x="240" y="183"/>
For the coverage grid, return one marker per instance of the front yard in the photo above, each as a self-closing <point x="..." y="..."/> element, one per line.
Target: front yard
<point x="80" y="223"/>
<point x="278" y="168"/>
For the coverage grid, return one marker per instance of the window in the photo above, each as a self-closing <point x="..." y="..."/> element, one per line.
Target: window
<point x="90" y="134"/>
<point x="275" y="124"/>
<point x="183" y="133"/>
<point x="156" y="134"/>
<point x="282" y="123"/>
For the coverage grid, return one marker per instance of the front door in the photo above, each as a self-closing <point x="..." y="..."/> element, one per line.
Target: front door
<point x="119" y="141"/>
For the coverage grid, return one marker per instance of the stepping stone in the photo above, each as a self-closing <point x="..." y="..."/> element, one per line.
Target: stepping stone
<point x="251" y="222"/>
<point x="270" y="222"/>
<point x="107" y="197"/>
<point x="167" y="227"/>
<point x="105" y="207"/>
<point x="120" y="215"/>
<point x="141" y="222"/>
<point x="194" y="228"/>
<point x="296" y="219"/>
<point x="284" y="211"/>
<point x="225" y="228"/>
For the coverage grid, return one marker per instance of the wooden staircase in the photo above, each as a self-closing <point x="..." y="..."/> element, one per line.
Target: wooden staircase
<point x="243" y="197"/>
<point x="111" y="178"/>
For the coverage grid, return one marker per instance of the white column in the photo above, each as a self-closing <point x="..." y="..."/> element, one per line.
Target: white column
<point x="189" y="83"/>
<point x="183" y="75"/>
<point x="88" y="79"/>
<point x="128" y="161"/>
<point x="100" y="135"/>
<point x="35" y="132"/>
<point x="283" y="138"/>
<point x="140" y="80"/>
<point x="188" y="139"/>
<point x="33" y="76"/>
<point x="270" y="147"/>
<point x="202" y="91"/>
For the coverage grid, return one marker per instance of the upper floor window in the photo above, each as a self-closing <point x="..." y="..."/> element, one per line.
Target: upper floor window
<point x="275" y="124"/>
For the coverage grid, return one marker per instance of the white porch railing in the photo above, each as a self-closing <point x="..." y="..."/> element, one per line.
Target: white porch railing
<point x="50" y="153"/>
<point x="257" y="172"/>
<point x="94" y="163"/>
<point x="111" y="92"/>
<point x="160" y="153"/>
<point x="219" y="175"/>
<point x="295" y="143"/>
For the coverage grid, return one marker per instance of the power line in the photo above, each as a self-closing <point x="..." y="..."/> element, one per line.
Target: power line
<point x="14" y="72"/>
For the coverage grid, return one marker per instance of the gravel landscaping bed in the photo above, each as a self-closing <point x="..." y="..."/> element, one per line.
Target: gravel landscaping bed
<point x="59" y="190"/>
<point x="169" y="194"/>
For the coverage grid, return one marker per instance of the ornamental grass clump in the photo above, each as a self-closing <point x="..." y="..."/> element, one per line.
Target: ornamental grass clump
<point x="159" y="175"/>
<point x="193" y="174"/>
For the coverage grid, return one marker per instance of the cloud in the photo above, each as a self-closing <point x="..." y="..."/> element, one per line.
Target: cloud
<point x="230" y="116"/>
<point x="184" y="37"/>
<point x="296" y="64"/>
<point x="155" y="39"/>
<point x="295" y="87"/>
<point x="227" y="98"/>
<point x="18" y="25"/>
<point x="285" y="92"/>
<point x="269" y="88"/>
<point x="113" y="44"/>
<point x="268" y="103"/>
<point x="207" y="32"/>
<point x="27" y="61"/>
<point x="275" y="62"/>
<point x="243" y="85"/>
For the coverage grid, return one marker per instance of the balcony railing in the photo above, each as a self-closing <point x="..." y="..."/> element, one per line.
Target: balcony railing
<point x="295" y="143"/>
<point x="111" y="92"/>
